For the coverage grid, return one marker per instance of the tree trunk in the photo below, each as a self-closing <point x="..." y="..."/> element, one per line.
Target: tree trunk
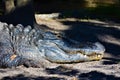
<point x="18" y="12"/>
<point x="9" y="6"/>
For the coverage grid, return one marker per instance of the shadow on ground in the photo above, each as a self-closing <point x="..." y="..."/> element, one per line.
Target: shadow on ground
<point x="22" y="77"/>
<point x="62" y="71"/>
<point x="94" y="75"/>
<point x="110" y="61"/>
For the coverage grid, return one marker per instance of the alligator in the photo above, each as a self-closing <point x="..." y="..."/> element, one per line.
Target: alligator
<point x="29" y="46"/>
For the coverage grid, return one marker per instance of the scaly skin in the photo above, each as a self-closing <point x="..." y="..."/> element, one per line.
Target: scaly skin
<point x="31" y="47"/>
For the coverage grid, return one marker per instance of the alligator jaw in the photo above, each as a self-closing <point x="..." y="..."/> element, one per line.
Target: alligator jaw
<point x="63" y="58"/>
<point x="95" y="57"/>
<point x="84" y="58"/>
<point x="95" y="53"/>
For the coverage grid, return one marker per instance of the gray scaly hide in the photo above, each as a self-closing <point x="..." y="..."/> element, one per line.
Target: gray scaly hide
<point x="26" y="46"/>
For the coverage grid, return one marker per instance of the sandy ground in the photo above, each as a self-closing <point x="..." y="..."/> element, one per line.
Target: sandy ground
<point x="105" y="32"/>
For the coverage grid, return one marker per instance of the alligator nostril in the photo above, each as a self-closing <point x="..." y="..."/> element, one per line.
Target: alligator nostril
<point x="59" y="36"/>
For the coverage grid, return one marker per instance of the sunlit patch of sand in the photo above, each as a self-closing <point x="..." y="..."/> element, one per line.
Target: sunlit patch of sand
<point x="109" y="39"/>
<point x="51" y="23"/>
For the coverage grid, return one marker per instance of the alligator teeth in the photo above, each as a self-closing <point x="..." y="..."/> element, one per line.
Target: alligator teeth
<point x="85" y="55"/>
<point x="98" y="56"/>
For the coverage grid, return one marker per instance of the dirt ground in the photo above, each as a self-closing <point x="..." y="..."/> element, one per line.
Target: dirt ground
<point x="105" y="32"/>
